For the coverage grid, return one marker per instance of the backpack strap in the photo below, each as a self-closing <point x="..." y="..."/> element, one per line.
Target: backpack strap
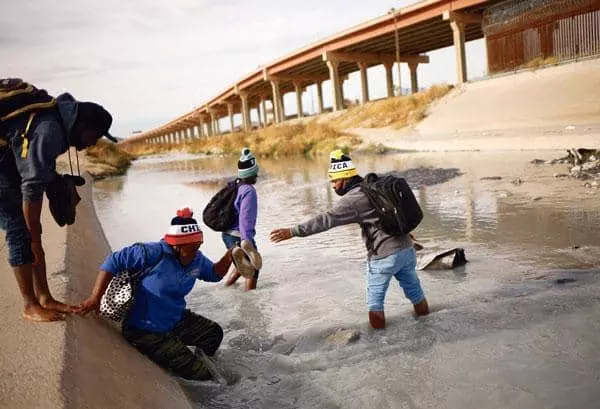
<point x="370" y="240"/>
<point x="24" y="135"/>
<point x="143" y="273"/>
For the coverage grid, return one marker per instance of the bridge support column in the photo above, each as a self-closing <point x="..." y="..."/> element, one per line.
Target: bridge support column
<point x="277" y="102"/>
<point x="260" y="122"/>
<point x="336" y="91"/>
<point x="298" y="88"/>
<point x="263" y="107"/>
<point x="203" y="130"/>
<point x="364" y="82"/>
<point x="458" y="21"/>
<point x="389" y="78"/>
<point x="458" y="32"/>
<point x="246" y="124"/>
<point x="210" y="125"/>
<point x="217" y="126"/>
<point x="320" y="107"/>
<point x="230" y="113"/>
<point x="414" y="81"/>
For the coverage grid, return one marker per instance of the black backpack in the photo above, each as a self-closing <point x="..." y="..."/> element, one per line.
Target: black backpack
<point x="398" y="210"/>
<point x="219" y="214"/>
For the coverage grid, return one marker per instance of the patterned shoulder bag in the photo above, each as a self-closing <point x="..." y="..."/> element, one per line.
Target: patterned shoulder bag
<point x="119" y="296"/>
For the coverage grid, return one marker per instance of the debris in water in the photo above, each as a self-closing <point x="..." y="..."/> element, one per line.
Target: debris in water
<point x="344" y="336"/>
<point x="444" y="261"/>
<point x="564" y="280"/>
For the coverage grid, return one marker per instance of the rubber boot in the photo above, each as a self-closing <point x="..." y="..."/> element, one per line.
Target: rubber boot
<point x="232" y="278"/>
<point x="421" y="308"/>
<point x="377" y="319"/>
<point x="251" y="284"/>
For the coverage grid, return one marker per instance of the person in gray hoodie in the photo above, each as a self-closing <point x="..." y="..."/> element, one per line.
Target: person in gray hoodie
<point x="388" y="256"/>
<point x="31" y="142"/>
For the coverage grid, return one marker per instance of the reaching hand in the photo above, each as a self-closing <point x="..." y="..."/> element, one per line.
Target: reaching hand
<point x="89" y="305"/>
<point x="278" y="235"/>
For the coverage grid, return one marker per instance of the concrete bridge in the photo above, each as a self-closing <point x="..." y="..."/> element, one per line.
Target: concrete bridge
<point x="401" y="37"/>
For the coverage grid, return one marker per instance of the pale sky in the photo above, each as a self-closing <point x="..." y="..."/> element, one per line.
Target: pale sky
<point x="150" y="61"/>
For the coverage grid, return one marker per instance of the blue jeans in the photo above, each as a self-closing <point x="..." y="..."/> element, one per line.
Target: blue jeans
<point x="12" y="221"/>
<point x="232" y="241"/>
<point x="400" y="265"/>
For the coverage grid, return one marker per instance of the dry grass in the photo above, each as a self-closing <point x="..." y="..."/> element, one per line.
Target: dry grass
<point x="397" y="112"/>
<point x="284" y="140"/>
<point x="540" y="62"/>
<point x="312" y="138"/>
<point x="112" y="159"/>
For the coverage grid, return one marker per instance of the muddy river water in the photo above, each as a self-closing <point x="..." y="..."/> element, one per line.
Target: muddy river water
<point x="517" y="327"/>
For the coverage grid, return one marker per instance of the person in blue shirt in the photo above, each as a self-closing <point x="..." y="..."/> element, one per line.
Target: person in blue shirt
<point x="158" y="323"/>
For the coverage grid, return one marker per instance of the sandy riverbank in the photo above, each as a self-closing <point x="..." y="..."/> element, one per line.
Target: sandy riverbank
<point x="82" y="362"/>
<point x="551" y="108"/>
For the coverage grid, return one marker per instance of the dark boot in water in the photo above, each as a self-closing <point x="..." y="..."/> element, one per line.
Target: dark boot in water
<point x="377" y="319"/>
<point x="421" y="308"/>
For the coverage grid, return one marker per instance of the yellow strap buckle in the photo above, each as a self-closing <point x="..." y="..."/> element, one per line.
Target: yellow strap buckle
<point x="25" y="149"/>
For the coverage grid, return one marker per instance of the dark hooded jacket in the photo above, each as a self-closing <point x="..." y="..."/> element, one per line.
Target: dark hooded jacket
<point x="47" y="139"/>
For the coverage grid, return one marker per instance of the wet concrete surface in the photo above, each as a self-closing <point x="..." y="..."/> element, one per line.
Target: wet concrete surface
<point x="516" y="327"/>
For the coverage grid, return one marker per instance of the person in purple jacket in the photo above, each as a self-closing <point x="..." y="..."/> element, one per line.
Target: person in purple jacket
<point x="244" y="229"/>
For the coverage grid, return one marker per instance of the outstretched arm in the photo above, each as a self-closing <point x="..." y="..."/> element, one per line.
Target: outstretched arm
<point x="281" y="234"/>
<point x="32" y="211"/>
<point x="221" y="267"/>
<point x="93" y="301"/>
<point x="343" y="213"/>
<point x="131" y="258"/>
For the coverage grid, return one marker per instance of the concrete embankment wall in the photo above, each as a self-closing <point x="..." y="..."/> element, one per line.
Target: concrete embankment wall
<point x="552" y="97"/>
<point x="83" y="362"/>
<point x="550" y="108"/>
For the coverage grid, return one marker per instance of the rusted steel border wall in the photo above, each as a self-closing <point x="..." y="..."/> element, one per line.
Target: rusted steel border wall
<point x="520" y="34"/>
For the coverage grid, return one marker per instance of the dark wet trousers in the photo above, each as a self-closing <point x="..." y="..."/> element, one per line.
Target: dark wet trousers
<point x="170" y="350"/>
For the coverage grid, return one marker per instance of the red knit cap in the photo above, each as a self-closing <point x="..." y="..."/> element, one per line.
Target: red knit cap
<point x="184" y="229"/>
